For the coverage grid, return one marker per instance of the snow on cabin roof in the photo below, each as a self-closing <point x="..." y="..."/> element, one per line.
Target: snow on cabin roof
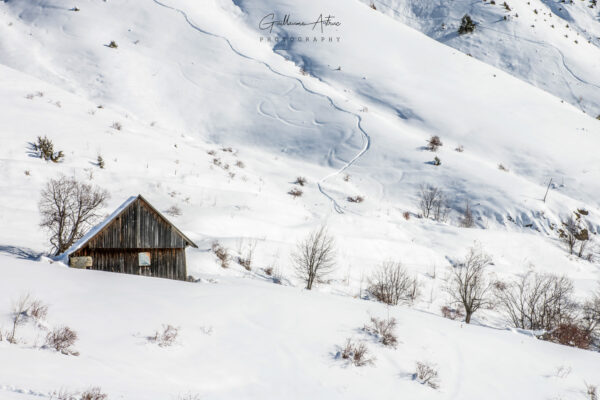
<point x="97" y="228"/>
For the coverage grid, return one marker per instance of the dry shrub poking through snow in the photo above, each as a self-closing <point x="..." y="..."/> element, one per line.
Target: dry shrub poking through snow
<point x="571" y="334"/>
<point x="94" y="393"/>
<point x="501" y="167"/>
<point x="61" y="339"/>
<point x="434" y="143"/>
<point x="188" y="396"/>
<point x="426" y="374"/>
<point x="356" y="199"/>
<point x="63" y="394"/>
<point x="460" y="149"/>
<point x="356" y="353"/>
<point x="117" y="126"/>
<point x="240" y="164"/>
<point x="269" y="271"/>
<point x="173" y="211"/>
<point x="166" y="337"/>
<point x="38" y="310"/>
<point x="452" y="313"/>
<point x="25" y="307"/>
<point x="221" y="253"/>
<point x="406" y="215"/>
<point x="245" y="262"/>
<point x="390" y="283"/>
<point x="300" y="181"/>
<point x="591" y="391"/>
<point x="295" y="193"/>
<point x="384" y="330"/>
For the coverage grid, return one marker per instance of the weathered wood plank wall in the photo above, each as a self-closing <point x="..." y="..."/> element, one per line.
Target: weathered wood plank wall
<point x="165" y="263"/>
<point x="138" y="227"/>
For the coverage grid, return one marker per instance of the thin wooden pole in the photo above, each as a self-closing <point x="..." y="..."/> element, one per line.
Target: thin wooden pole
<point x="547" y="189"/>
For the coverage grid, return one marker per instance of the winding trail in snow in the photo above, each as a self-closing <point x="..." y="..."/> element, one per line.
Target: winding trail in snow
<point x="365" y="135"/>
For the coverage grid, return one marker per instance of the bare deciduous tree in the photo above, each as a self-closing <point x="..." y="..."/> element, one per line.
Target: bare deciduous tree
<point x="590" y="318"/>
<point x="467" y="220"/>
<point x="391" y="283"/>
<point x="19" y="315"/>
<point x="468" y="285"/>
<point x="433" y="202"/>
<point x="314" y="257"/>
<point x="69" y="207"/>
<point x="538" y="302"/>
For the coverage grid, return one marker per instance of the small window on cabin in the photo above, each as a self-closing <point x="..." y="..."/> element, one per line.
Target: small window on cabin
<point x="144" y="259"/>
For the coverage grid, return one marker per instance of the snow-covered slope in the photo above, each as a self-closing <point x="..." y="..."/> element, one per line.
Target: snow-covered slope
<point x="251" y="340"/>
<point x="552" y="44"/>
<point x="191" y="80"/>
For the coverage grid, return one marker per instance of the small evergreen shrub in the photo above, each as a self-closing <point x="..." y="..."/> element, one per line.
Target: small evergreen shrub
<point x="467" y="25"/>
<point x="45" y="150"/>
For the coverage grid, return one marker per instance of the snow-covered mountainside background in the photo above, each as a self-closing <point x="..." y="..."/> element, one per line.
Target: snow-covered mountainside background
<point x="200" y="110"/>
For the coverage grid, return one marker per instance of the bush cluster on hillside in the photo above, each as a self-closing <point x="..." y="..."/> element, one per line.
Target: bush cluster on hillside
<point x="45" y="150"/>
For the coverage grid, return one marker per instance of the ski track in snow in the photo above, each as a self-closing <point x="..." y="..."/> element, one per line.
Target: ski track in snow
<point x="365" y="135"/>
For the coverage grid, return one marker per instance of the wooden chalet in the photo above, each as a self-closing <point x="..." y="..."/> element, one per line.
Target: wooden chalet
<point x="135" y="239"/>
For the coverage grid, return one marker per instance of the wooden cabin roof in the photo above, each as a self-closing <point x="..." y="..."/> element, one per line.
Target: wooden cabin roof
<point x="96" y="236"/>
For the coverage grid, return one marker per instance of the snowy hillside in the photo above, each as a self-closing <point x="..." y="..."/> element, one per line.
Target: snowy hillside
<point x="243" y="339"/>
<point x="201" y="111"/>
<point x="552" y="44"/>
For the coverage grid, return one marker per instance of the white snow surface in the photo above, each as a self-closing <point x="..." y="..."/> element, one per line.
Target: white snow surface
<point x="190" y="80"/>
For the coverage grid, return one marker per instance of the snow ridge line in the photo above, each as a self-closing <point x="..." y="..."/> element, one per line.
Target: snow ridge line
<point x="365" y="135"/>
